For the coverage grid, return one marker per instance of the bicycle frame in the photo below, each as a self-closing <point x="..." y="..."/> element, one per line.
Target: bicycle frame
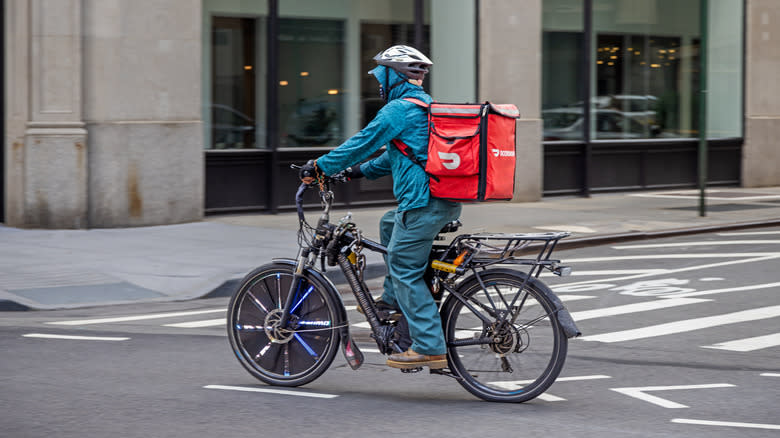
<point x="345" y="241"/>
<point x="480" y="283"/>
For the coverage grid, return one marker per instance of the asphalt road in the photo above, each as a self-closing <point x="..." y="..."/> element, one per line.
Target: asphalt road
<point x="681" y="338"/>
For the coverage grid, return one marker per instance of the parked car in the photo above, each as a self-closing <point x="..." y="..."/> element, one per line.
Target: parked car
<point x="231" y="128"/>
<point x="567" y="124"/>
<point x="640" y="107"/>
<point x="312" y="122"/>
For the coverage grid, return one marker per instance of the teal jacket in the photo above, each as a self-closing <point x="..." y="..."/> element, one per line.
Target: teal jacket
<point x="398" y="119"/>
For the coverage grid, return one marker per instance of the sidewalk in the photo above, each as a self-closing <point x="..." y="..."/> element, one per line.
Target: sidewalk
<point x="55" y="269"/>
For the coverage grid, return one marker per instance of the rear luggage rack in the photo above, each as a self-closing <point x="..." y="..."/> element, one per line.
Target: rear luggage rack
<point x="504" y="248"/>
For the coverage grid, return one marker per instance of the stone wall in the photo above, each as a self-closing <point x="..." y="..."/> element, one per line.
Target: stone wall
<point x="761" y="152"/>
<point x="510" y="49"/>
<point x="142" y="110"/>
<point x="103" y="116"/>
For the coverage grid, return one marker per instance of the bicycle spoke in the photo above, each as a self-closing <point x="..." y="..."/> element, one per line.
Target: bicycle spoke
<point x="492" y="356"/>
<point x="264" y="350"/>
<point x="305" y="345"/>
<point x="257" y="302"/>
<point x="288" y="355"/>
<point x="306" y="294"/>
<point x="279" y="290"/>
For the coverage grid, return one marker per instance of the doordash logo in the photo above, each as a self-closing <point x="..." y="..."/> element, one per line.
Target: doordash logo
<point x="449" y="160"/>
<point x="500" y="153"/>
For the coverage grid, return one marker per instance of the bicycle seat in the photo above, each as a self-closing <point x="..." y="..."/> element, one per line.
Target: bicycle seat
<point x="451" y="227"/>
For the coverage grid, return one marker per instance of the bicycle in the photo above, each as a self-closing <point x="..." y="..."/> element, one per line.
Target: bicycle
<point x="506" y="331"/>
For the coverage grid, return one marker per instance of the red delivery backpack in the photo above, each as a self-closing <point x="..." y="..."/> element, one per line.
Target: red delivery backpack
<point x="471" y="150"/>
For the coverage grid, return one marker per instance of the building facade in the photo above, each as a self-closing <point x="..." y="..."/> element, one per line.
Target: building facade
<point x="142" y="112"/>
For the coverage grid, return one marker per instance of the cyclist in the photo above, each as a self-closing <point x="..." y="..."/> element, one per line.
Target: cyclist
<point x="409" y="230"/>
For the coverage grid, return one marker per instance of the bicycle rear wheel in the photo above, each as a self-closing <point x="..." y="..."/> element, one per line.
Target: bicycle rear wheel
<point x="523" y="358"/>
<point x="285" y="356"/>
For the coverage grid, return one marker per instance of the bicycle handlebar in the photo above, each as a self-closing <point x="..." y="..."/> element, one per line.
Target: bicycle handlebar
<point x="325" y="194"/>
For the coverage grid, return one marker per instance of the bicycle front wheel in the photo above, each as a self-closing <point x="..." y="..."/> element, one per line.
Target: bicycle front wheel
<point x="287" y="356"/>
<point x="506" y="344"/>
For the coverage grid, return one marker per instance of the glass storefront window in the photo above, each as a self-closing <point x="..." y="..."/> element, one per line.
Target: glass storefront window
<point x="233" y="83"/>
<point x="325" y="51"/>
<point x="645" y="69"/>
<point x="234" y="74"/>
<point x="562" y="42"/>
<point x="311" y="82"/>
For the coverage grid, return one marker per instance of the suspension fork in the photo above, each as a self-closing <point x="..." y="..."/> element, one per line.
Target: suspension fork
<point x="300" y="263"/>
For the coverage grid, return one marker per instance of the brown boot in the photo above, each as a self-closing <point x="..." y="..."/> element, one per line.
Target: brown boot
<point x="411" y="359"/>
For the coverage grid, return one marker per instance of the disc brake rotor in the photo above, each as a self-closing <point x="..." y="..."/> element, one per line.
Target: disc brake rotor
<point x="274" y="331"/>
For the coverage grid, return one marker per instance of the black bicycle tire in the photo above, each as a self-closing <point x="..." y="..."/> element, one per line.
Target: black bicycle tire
<point x="557" y="358"/>
<point x="322" y="362"/>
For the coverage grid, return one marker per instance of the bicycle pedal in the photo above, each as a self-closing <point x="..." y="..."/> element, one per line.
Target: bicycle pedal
<point x="411" y="370"/>
<point x="389" y="316"/>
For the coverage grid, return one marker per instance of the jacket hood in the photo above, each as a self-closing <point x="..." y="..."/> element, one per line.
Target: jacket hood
<point x="388" y="77"/>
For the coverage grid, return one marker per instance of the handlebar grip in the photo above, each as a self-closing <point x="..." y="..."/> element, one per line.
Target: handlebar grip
<point x="299" y="201"/>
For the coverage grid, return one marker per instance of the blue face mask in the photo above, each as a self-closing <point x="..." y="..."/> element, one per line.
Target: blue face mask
<point x="384" y="92"/>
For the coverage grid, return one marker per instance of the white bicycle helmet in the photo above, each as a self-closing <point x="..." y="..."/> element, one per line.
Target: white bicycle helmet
<point x="405" y="60"/>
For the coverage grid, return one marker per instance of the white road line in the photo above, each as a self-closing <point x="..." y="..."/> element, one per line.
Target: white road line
<point x="686" y="325"/>
<point x="570" y="228"/>
<point x="135" y="317"/>
<point x="634" y="308"/>
<point x="672" y="256"/>
<point x="272" y="391"/>
<point x="575" y="297"/>
<point x="516" y="384"/>
<point x="549" y="397"/>
<point x="610" y="272"/>
<point x="711" y="195"/>
<point x="752" y="287"/>
<point x="75" y="338"/>
<point x="673" y="271"/>
<point x="749" y="233"/>
<point x="198" y="324"/>
<point x="770" y="374"/>
<point x="697" y="243"/>
<point x="748" y="344"/>
<point x="639" y="392"/>
<point x="726" y="424"/>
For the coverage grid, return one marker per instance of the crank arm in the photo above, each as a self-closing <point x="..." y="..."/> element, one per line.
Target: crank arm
<point x="442" y="372"/>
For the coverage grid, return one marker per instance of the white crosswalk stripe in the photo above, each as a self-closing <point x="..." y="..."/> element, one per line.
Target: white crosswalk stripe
<point x="686" y="325"/>
<point x="198" y="324"/>
<point x="748" y="344"/>
<point x="634" y="308"/>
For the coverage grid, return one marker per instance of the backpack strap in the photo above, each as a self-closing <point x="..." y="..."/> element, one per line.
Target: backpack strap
<point x="416" y="101"/>
<point x="405" y="149"/>
<point x="407" y="152"/>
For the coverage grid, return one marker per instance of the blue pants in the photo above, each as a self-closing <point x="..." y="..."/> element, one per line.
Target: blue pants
<point x="409" y="236"/>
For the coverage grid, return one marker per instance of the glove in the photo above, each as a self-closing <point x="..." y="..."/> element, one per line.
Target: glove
<point x="353" y="172"/>
<point x="309" y="172"/>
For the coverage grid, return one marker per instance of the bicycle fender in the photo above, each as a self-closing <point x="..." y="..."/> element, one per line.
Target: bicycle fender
<point x="351" y="352"/>
<point x="565" y="319"/>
